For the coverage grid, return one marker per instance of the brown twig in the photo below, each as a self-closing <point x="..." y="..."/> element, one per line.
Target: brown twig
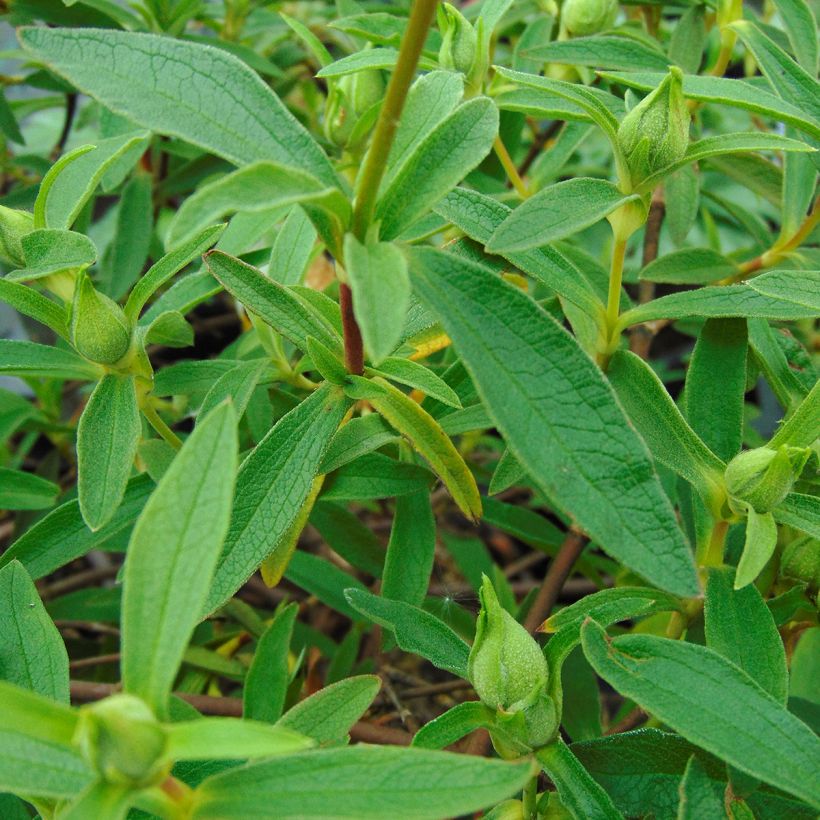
<point x="558" y="572"/>
<point x="640" y="339"/>
<point x="362" y="731"/>
<point x="541" y="139"/>
<point x="84" y="663"/>
<point x="354" y="350"/>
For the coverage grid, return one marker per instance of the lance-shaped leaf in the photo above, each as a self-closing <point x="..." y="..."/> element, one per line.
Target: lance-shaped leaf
<point x="456" y="146"/>
<point x="419" y="377"/>
<point x="377" y="273"/>
<point x="558" y="415"/>
<point x="801" y="28"/>
<point x="602" y="51"/>
<point x="363" y="782"/>
<point x="800" y="511"/>
<point x="119" y="69"/>
<point x="713" y="704"/>
<point x="670" y="438"/>
<point x="18" y="358"/>
<point x="272" y="486"/>
<point x="426" y="435"/>
<point x="31" y="303"/>
<point x="689" y="266"/>
<point x="49" y="251"/>
<point x="700" y="796"/>
<point x="761" y="540"/>
<point x="778" y="295"/>
<point x="172" y="556"/>
<point x="416" y="630"/>
<point x="327" y="715"/>
<point x="278" y="306"/>
<point x="32" y="653"/>
<point x="556" y="212"/>
<point x="20" y="490"/>
<point x="100" y="799"/>
<point x="256" y="187"/>
<point x="292" y="249"/>
<point x="724" y="91"/>
<point x="579" y="793"/>
<point x="454" y="724"/>
<point x="803" y="426"/>
<point x="107" y="439"/>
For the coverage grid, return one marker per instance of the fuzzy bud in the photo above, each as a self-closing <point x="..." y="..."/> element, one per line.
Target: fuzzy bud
<point x="506" y="665"/>
<point x="764" y="477"/>
<point x="351" y="97"/>
<point x="459" y="42"/>
<point x="801" y="562"/>
<point x="123" y="741"/>
<point x="99" y="328"/>
<point x="14" y="225"/>
<point x="582" y="17"/>
<point x="655" y="133"/>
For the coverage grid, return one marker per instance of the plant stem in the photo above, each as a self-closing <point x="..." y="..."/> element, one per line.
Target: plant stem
<point x="640" y="337"/>
<point x="421" y="16"/>
<point x="354" y="349"/>
<point x="529" y="797"/>
<point x="509" y="168"/>
<point x="613" y="304"/>
<point x="161" y="427"/>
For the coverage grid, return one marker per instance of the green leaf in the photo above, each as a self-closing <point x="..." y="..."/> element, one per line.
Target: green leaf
<point x="416" y="630"/>
<point x="740" y="627"/>
<point x="26" y="491"/>
<point x="100" y="799"/>
<point x="426" y="435"/>
<point x="62" y="535"/>
<point x="800" y="511"/>
<point x="37" y="717"/>
<point x="107" y="438"/>
<point x="580" y="794"/>
<point x="292" y="249"/>
<point x="417" y="376"/>
<point x="724" y="91"/>
<point x="377" y="274"/>
<point x="802" y="427"/>
<point x="778" y="295"/>
<point x="447" y="154"/>
<point x="555" y="212"/>
<point x="49" y="251"/>
<point x="688" y="39"/>
<point x="326" y="581"/>
<point x="552" y="405"/>
<point x="689" y="266"/>
<point x="32" y="653"/>
<point x="237" y="385"/>
<point x="273" y="483"/>
<point x="368" y="60"/>
<point x="375" y="475"/>
<point x="33" y="304"/>
<point x="761" y="540"/>
<point x="480" y="216"/>
<point x="256" y="187"/>
<point x="205" y="738"/>
<point x="670" y="438"/>
<point x="278" y="306"/>
<point x="601" y="51"/>
<point x="410" y="551"/>
<point x="266" y="684"/>
<point x="801" y="28"/>
<point x="170" y="264"/>
<point x="454" y="724"/>
<point x="327" y="715"/>
<point x="712" y="703"/>
<point x="699" y="795"/>
<point x="29" y="359"/>
<point x="362" y="782"/>
<point x="355" y="438"/>
<point x="120" y="70"/>
<point x="172" y="555"/>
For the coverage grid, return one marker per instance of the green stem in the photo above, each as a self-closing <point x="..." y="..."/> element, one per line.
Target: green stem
<point x="613" y="304"/>
<point x="421" y="16"/>
<point x="161" y="427"/>
<point x="528" y="798"/>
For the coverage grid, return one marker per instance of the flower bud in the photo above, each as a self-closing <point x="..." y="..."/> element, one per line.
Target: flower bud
<point x="506" y="664"/>
<point x="764" y="477"/>
<point x="581" y="17"/>
<point x="14" y="225"/>
<point x="801" y="562"/>
<point x="350" y="97"/>
<point x="123" y="741"/>
<point x="99" y="329"/>
<point x="655" y="133"/>
<point x="459" y="42"/>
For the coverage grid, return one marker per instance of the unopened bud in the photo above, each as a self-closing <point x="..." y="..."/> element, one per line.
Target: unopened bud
<point x="123" y="741"/>
<point x="655" y="133"/>
<point x="801" y="562"/>
<point x="14" y="225"/>
<point x="764" y="477"/>
<point x="506" y="665"/>
<point x="581" y="17"/>
<point x="459" y="42"/>
<point x="350" y="97"/>
<point x="99" y="328"/>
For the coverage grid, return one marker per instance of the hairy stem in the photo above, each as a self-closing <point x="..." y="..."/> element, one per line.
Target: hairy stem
<point x="529" y="798"/>
<point x="641" y="336"/>
<point x="509" y="168"/>
<point x="161" y="427"/>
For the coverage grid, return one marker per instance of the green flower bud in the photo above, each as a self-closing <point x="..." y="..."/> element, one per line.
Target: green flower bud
<point x="581" y="17"/>
<point x="123" y="741"/>
<point x="801" y="562"/>
<point x="99" y="329"/>
<point x="764" y="477"/>
<point x="14" y="225"/>
<point x="506" y="665"/>
<point x="350" y="97"/>
<point x="459" y="42"/>
<point x="655" y="133"/>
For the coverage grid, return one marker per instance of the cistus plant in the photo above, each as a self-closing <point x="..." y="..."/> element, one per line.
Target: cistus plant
<point x="486" y="334"/>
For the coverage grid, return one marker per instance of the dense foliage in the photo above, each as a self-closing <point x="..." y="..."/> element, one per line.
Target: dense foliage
<point x="486" y="334"/>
